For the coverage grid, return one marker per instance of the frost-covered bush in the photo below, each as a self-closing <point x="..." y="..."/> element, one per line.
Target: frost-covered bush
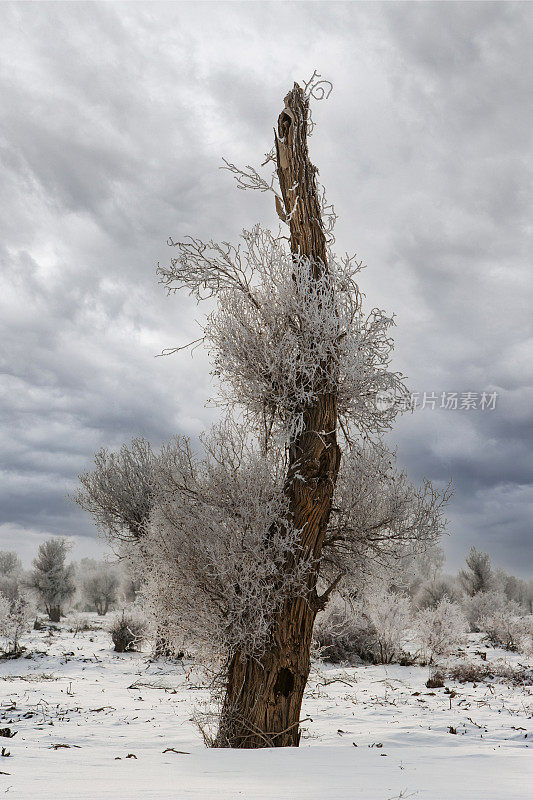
<point x="213" y="555"/>
<point x="506" y="628"/>
<point x="80" y="622"/>
<point x="128" y="631"/>
<point x="440" y="630"/>
<point x="483" y="605"/>
<point x="16" y="618"/>
<point x="390" y="614"/>
<point x="430" y="593"/>
<point x="344" y="634"/>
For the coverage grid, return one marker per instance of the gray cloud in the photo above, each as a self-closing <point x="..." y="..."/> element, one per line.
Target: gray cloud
<point x="114" y="121"/>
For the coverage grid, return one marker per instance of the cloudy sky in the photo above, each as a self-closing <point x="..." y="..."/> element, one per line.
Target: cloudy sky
<point x="114" y="121"/>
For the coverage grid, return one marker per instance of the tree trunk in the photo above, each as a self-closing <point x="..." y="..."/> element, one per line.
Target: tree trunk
<point x="263" y="699"/>
<point x="54" y="614"/>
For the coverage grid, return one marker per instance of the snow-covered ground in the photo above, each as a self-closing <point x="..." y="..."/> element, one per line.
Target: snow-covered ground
<point x="92" y="723"/>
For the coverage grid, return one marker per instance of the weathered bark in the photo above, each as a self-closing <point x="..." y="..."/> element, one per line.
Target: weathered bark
<point x="54" y="614"/>
<point x="264" y="696"/>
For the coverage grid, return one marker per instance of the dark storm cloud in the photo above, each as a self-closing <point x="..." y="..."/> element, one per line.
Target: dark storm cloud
<point x="114" y="120"/>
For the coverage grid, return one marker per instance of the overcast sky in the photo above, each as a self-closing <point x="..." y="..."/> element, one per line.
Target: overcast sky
<point x="114" y="119"/>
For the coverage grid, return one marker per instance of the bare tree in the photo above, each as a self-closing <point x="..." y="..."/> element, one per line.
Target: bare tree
<point x="296" y="353"/>
<point x="51" y="578"/>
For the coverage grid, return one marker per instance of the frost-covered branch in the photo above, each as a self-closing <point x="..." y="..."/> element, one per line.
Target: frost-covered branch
<point x="378" y="513"/>
<point x="118" y="492"/>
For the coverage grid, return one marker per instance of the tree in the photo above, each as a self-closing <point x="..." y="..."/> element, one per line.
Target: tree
<point x="11" y="576"/>
<point x="51" y="578"/>
<point x="100" y="588"/>
<point x="479" y="576"/>
<point x="248" y="529"/>
<point x="9" y="562"/>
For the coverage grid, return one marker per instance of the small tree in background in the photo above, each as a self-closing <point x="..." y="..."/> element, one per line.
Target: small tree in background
<point x="100" y="588"/>
<point x="51" y="578"/>
<point x="10" y="575"/>
<point x="479" y="576"/>
<point x="9" y="562"/>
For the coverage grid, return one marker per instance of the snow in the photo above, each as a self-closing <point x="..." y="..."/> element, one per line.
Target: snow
<point x="75" y="691"/>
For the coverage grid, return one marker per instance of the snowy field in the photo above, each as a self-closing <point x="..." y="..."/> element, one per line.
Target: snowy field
<point x="91" y="723"/>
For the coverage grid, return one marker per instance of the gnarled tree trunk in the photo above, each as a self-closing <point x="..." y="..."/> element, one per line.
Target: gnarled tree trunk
<point x="263" y="698"/>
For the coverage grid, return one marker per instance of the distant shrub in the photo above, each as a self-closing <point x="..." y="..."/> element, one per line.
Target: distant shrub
<point x="440" y="630"/>
<point x="433" y="591"/>
<point x="344" y="634"/>
<point x="468" y="672"/>
<point x="128" y="631"/>
<point x="482" y="605"/>
<point x="79" y="623"/>
<point x="390" y="615"/>
<point x="508" y="630"/>
<point x="435" y="680"/>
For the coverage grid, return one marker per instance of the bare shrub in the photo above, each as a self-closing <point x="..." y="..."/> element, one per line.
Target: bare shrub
<point x="219" y="535"/>
<point x="440" y="630"/>
<point x="118" y="492"/>
<point x="128" y="631"/>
